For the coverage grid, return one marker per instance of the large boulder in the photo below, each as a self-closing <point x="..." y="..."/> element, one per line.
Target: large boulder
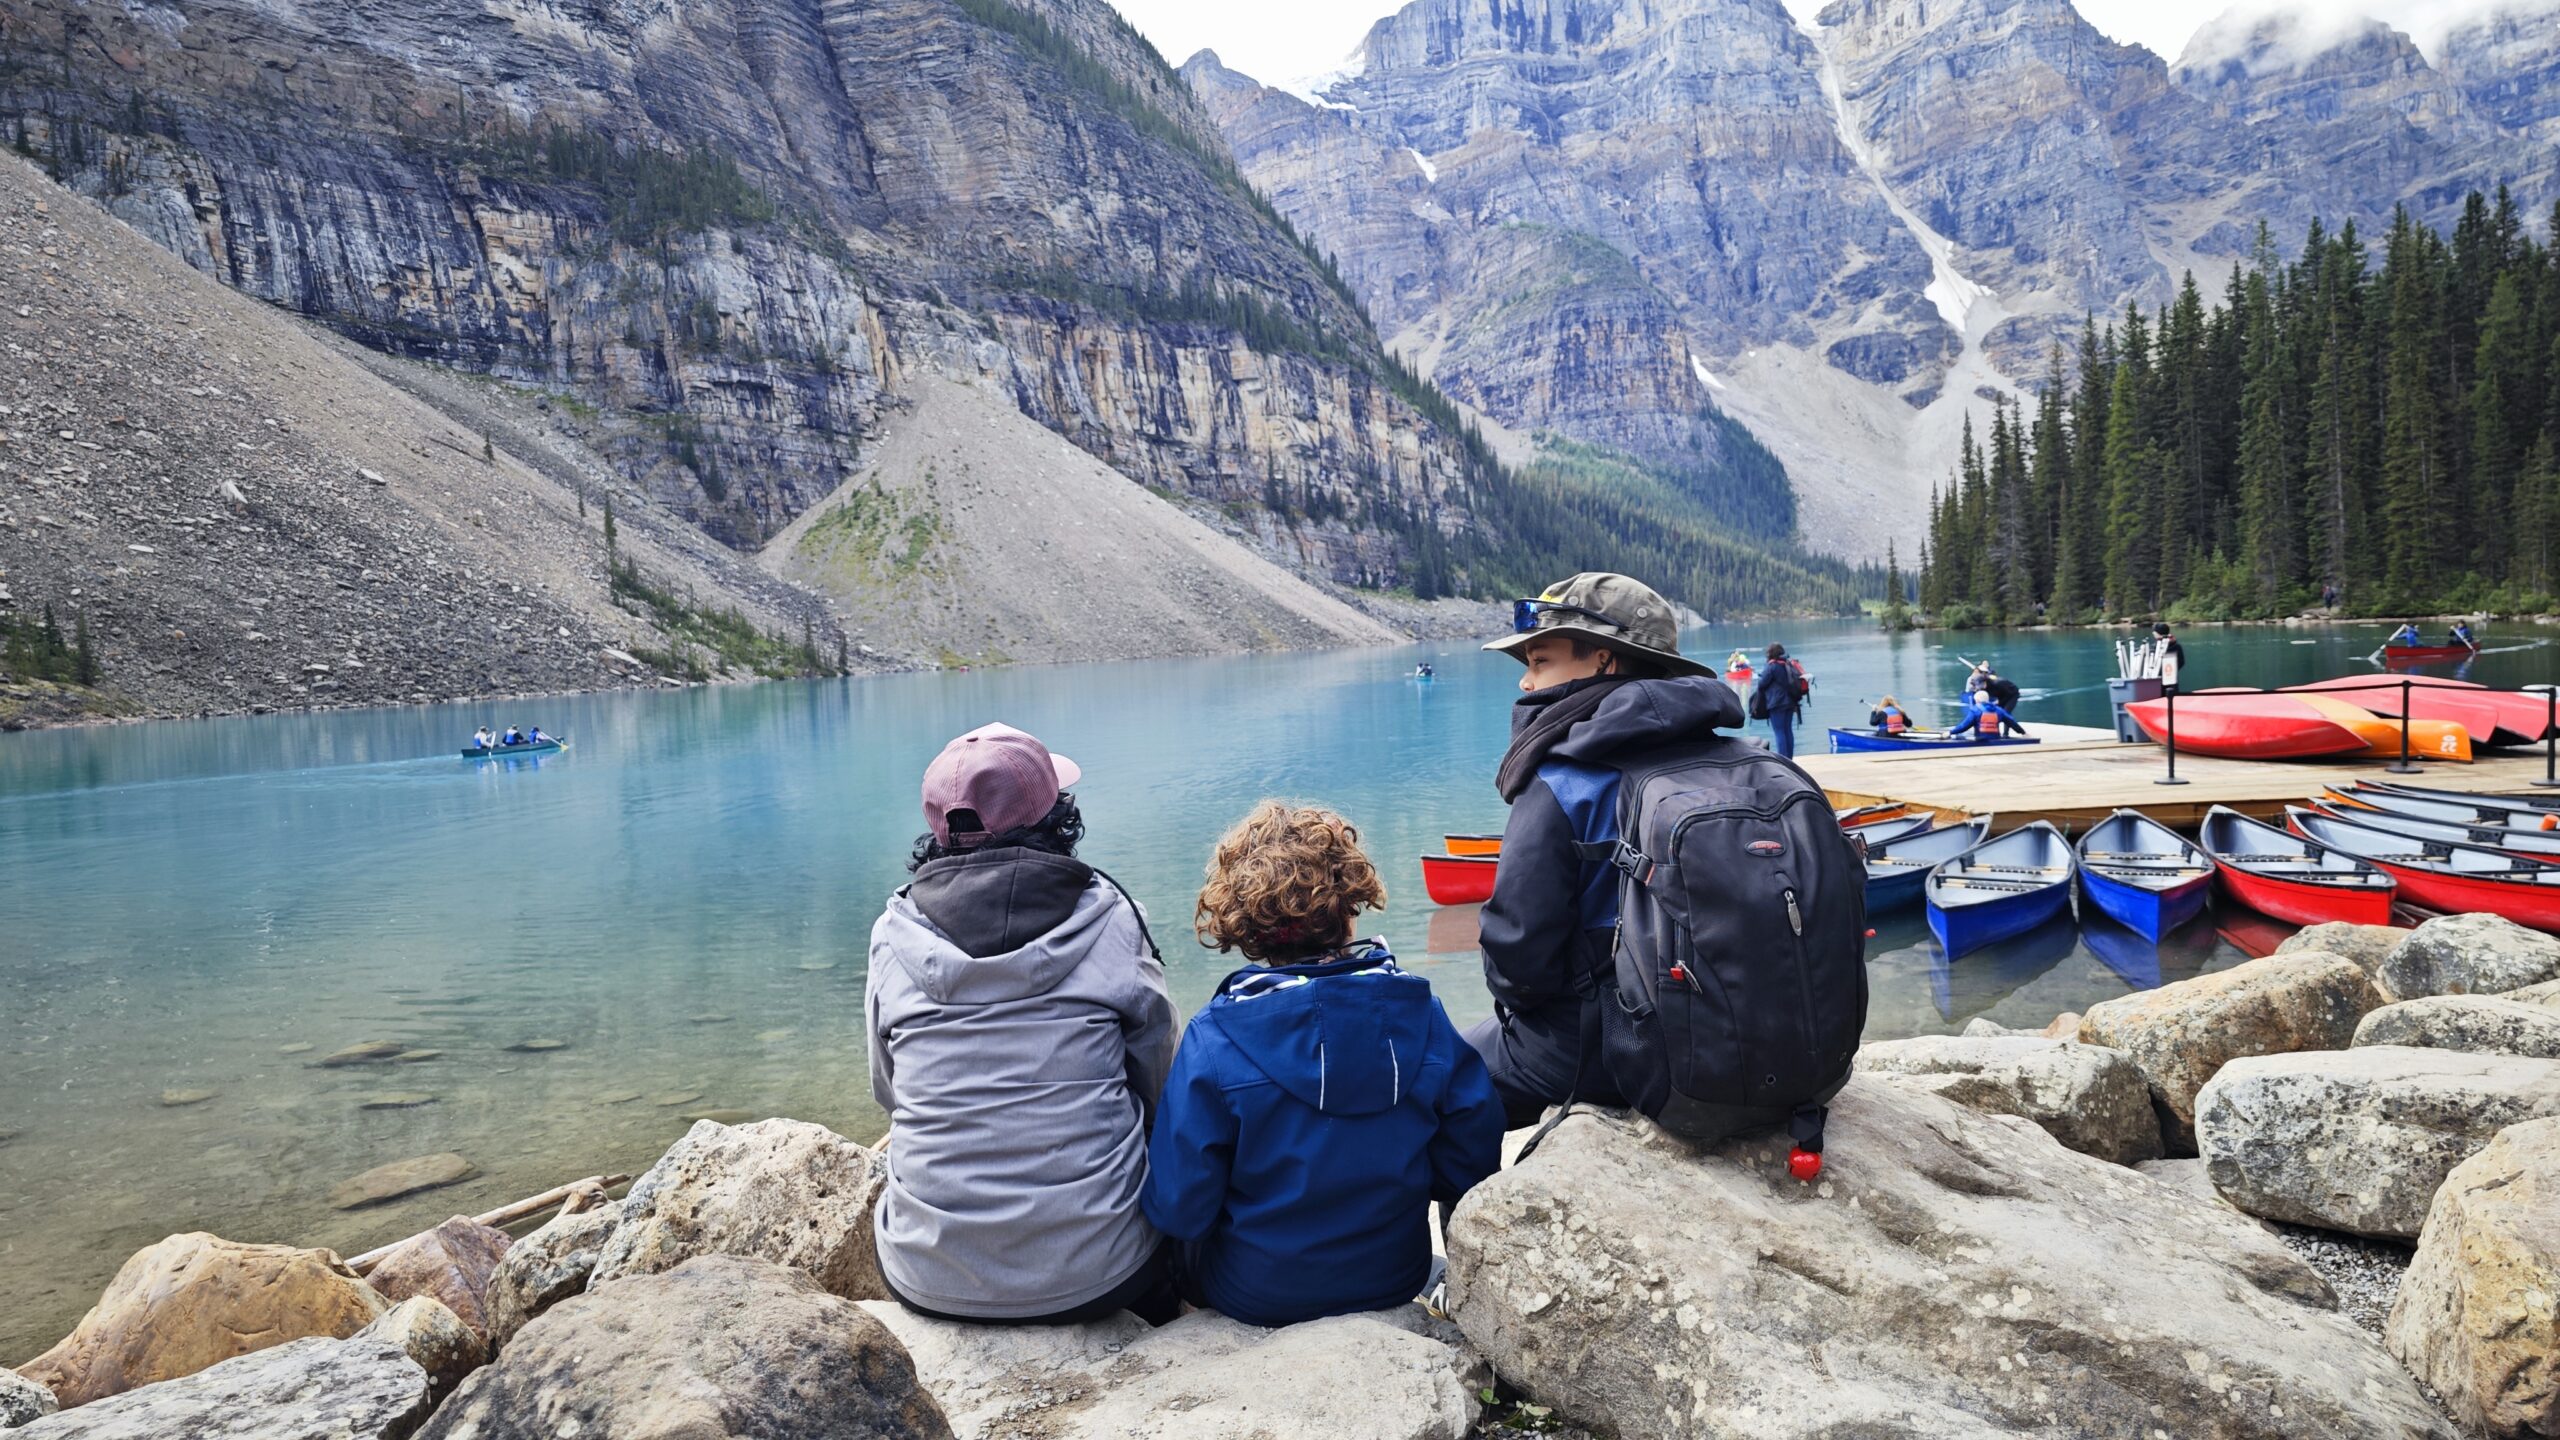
<point x="2488" y="1024"/>
<point x="22" y="1400"/>
<point x="2546" y="995"/>
<point x="2367" y="945"/>
<point x="428" y="1331"/>
<point x="781" y="1190"/>
<point x="1951" y="1274"/>
<point x="2479" y="1312"/>
<point x="452" y="1262"/>
<point x="2181" y="1034"/>
<point x="311" y="1389"/>
<point x="547" y="1267"/>
<point x="194" y="1301"/>
<point x="2358" y="1140"/>
<point x="2469" y="955"/>
<point x="2090" y="1098"/>
<point x="1203" y="1377"/>
<point x="722" y="1345"/>
<point x="2190" y="1178"/>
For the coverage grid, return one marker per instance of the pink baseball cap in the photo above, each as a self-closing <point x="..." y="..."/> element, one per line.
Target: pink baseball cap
<point x="1003" y="776"/>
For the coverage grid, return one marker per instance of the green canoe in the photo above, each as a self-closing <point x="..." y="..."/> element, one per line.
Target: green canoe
<point x="503" y="752"/>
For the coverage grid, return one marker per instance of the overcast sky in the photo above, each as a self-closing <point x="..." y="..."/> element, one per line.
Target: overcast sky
<point x="1288" y="41"/>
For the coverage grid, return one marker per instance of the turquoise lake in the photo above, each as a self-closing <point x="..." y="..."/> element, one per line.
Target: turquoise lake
<point x="683" y="902"/>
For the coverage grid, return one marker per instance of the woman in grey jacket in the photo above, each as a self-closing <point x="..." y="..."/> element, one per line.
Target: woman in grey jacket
<point x="1020" y="1034"/>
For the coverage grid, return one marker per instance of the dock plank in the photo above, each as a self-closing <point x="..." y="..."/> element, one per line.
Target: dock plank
<point x="2075" y="783"/>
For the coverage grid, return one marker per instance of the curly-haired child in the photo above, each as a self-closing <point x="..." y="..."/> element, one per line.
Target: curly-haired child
<point x="1321" y="1101"/>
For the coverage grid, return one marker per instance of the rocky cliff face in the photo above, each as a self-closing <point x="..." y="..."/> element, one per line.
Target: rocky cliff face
<point x="1862" y="228"/>
<point x="732" y="229"/>
<point x="2507" y="65"/>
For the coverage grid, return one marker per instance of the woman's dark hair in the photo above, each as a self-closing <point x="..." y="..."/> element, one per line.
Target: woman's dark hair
<point x="1058" y="833"/>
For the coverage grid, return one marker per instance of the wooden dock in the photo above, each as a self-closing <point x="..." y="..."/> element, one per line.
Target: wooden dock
<point x="2079" y="776"/>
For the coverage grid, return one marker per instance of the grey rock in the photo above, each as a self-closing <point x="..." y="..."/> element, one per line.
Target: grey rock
<point x="314" y="1389"/>
<point x="432" y="1335"/>
<point x="2488" y="1024"/>
<point x="2469" y="955"/>
<point x="2189" y="1177"/>
<point x="1203" y="1377"/>
<point x="22" y="1400"/>
<point x="2358" y="1140"/>
<point x="781" y="1190"/>
<point x="546" y="1267"/>
<point x="401" y="1177"/>
<point x="2546" y="995"/>
<point x="720" y="1345"/>
<point x="363" y="1052"/>
<point x="2367" y="945"/>
<point x="1952" y="1274"/>
<point x="2182" y="1033"/>
<point x="2478" y="1316"/>
<point x="175" y="1099"/>
<point x="2090" y="1098"/>
<point x="455" y="1263"/>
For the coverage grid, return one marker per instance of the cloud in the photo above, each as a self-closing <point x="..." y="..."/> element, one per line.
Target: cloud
<point x="2273" y="35"/>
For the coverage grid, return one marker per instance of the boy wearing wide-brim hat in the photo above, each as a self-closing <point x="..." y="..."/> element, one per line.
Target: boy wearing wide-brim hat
<point x="1605" y="684"/>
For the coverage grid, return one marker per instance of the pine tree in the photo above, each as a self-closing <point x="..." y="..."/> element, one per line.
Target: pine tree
<point x="2048" y="480"/>
<point x="2414" y="483"/>
<point x="2337" y="443"/>
<point x="2503" y="420"/>
<point x="2079" y="578"/>
<point x="2267" y="542"/>
<point x="2132" y="470"/>
<point x="1897" y="608"/>
<point x="84" y="659"/>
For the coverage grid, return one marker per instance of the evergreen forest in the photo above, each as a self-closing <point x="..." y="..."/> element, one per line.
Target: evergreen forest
<point x="2378" y="419"/>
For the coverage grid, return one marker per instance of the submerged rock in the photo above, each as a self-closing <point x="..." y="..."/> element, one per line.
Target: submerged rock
<point x="453" y="1262"/>
<point x="174" y="1099"/>
<point x="2367" y="945"/>
<point x="721" y="1345"/>
<point x="2479" y="1312"/>
<point x="548" y="1266"/>
<point x="432" y="1335"/>
<point x="22" y="1400"/>
<point x="2090" y="1098"/>
<point x="538" y="1047"/>
<point x="2469" y="955"/>
<point x="781" y="1190"/>
<point x="368" y="1052"/>
<point x="193" y="1301"/>
<point x="401" y="1177"/>
<point x="1203" y="1377"/>
<point x="310" y="1389"/>
<point x="396" y="1100"/>
<point x="1951" y="1274"/>
<point x="2358" y="1140"/>
<point x="2182" y="1034"/>
<point x="2486" y="1024"/>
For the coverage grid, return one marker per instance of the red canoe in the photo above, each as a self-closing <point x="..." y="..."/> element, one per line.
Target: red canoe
<point x="2424" y="654"/>
<point x="2281" y="874"/>
<point x="2454" y="879"/>
<point x="2248" y="727"/>
<point x="1459" y="879"/>
<point x="2494" y="717"/>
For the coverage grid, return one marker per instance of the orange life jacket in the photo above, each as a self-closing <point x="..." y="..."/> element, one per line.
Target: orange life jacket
<point x="1989" y="725"/>
<point x="1895" y="722"/>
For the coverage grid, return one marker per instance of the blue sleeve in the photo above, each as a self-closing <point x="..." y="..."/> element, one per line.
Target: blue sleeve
<point x="1193" y="1146"/>
<point x="1468" y="1146"/>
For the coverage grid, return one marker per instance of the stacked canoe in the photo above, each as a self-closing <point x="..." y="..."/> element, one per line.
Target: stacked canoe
<point x="2349" y="717"/>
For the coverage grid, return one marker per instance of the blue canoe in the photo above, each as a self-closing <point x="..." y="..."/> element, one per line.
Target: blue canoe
<point x="1897" y="868"/>
<point x="1999" y="888"/>
<point x="2141" y="875"/>
<point x="1891" y="828"/>
<point x="1846" y="740"/>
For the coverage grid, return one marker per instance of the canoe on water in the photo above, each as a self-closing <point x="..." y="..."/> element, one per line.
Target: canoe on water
<point x="2424" y="654"/>
<point x="2454" y="879"/>
<point x="1897" y="869"/>
<point x="1891" y="829"/>
<point x="2139" y="873"/>
<point x="509" y="752"/>
<point x="2535" y="801"/>
<point x="2248" y="726"/>
<point x="1999" y="888"/>
<point x="1473" y="844"/>
<point x="2533" y="844"/>
<point x="2278" y="873"/>
<point x="2492" y="822"/>
<point x="1846" y="740"/>
<point x="1459" y="879"/>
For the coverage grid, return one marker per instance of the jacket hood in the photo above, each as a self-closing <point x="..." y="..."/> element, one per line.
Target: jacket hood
<point x="992" y="901"/>
<point x="948" y="972"/>
<point x="1345" y="1037"/>
<point x="1636" y="715"/>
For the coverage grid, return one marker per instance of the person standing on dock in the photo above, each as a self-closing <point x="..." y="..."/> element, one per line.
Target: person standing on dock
<point x="1779" y="698"/>
<point x="1606" y="687"/>
<point x="2173" y="656"/>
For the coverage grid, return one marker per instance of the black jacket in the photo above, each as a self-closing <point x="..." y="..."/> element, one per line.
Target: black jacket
<point x="1547" y="930"/>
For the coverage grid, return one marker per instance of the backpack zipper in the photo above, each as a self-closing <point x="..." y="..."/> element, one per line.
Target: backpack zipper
<point x="1795" y="917"/>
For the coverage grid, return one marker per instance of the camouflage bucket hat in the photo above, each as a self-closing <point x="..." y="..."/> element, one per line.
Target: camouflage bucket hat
<point x="1624" y="615"/>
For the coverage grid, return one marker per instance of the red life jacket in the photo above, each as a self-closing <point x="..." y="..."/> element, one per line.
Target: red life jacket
<point x="1989" y="725"/>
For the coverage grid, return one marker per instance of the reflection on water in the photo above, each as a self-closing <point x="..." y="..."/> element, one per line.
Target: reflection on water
<point x="684" y="899"/>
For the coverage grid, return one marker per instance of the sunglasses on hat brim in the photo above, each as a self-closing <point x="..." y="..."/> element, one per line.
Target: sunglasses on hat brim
<point x="1528" y="615"/>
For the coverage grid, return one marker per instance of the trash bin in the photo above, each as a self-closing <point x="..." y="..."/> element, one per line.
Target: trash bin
<point x="2121" y="693"/>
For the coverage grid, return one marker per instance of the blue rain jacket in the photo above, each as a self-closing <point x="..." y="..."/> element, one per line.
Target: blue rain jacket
<point x="1313" y="1113"/>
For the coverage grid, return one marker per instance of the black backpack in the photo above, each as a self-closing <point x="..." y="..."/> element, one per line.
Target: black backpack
<point x="1741" y="971"/>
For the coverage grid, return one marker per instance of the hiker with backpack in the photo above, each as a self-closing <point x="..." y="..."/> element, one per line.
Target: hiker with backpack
<point x="1678" y="922"/>
<point x="1779" y="698"/>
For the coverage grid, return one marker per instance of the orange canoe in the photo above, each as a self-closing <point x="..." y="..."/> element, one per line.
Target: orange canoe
<point x="2428" y="739"/>
<point x="1473" y="844"/>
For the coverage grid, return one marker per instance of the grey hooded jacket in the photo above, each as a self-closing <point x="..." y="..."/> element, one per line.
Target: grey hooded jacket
<point x="1020" y="1034"/>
